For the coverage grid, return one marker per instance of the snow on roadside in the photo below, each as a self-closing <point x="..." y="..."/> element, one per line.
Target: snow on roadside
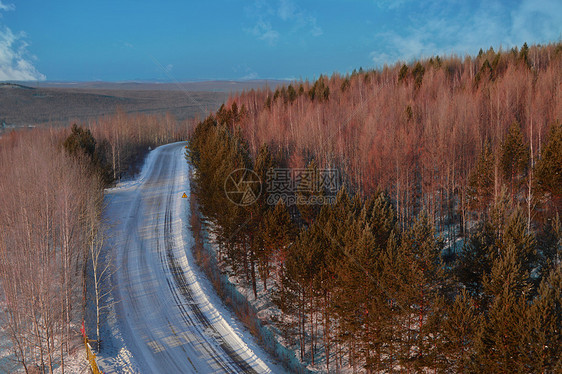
<point x="75" y="363"/>
<point x="139" y="179"/>
<point x="205" y="292"/>
<point x="267" y="312"/>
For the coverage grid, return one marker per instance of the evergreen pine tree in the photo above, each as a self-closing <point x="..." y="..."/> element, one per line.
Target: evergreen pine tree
<point x="524" y="54"/>
<point x="499" y="343"/>
<point x="476" y="258"/>
<point x="544" y="337"/>
<point x="549" y="167"/>
<point x="420" y="275"/>
<point x="458" y="324"/>
<point x="403" y="73"/>
<point x="514" y="159"/>
<point x="480" y="190"/>
<point x="277" y="232"/>
<point x="308" y="190"/>
<point x="418" y="73"/>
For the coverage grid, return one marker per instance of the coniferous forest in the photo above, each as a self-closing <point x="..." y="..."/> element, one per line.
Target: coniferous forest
<point x="441" y="248"/>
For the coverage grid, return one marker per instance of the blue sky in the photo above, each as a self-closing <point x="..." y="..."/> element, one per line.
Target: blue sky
<point x="251" y="39"/>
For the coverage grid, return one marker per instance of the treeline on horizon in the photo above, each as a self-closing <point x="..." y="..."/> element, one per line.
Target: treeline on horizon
<point x="434" y="153"/>
<point x="52" y="233"/>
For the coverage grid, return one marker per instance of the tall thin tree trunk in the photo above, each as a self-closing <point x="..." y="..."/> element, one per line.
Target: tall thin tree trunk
<point x="530" y="181"/>
<point x="312" y="325"/>
<point x="326" y="331"/>
<point x="253" y="274"/>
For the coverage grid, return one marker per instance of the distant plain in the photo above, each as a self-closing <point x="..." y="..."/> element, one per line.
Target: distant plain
<point x="62" y="103"/>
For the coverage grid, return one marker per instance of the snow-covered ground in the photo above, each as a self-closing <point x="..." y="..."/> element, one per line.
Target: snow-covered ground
<point x="167" y="318"/>
<point x="8" y="361"/>
<point x="75" y="363"/>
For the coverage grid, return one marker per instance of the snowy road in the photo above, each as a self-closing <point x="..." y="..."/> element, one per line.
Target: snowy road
<point x="167" y="319"/>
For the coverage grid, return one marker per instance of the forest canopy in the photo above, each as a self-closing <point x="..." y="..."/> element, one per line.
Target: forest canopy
<point x="442" y="248"/>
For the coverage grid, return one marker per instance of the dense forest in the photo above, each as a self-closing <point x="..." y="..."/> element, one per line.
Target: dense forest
<point x="51" y="200"/>
<point x="441" y="250"/>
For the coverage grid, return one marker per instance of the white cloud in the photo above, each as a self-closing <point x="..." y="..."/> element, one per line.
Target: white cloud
<point x="465" y="31"/>
<point x="6" y="7"/>
<point x="285" y="15"/>
<point x="15" y="61"/>
<point x="245" y="72"/>
<point x="380" y="58"/>
<point x="300" y="20"/>
<point x="263" y="31"/>
<point x="250" y="76"/>
<point x="535" y="21"/>
<point x="390" y="4"/>
<point x="286" y="10"/>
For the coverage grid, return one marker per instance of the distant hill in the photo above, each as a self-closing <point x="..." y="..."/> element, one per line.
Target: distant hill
<point x="214" y="86"/>
<point x="60" y="103"/>
<point x="14" y="85"/>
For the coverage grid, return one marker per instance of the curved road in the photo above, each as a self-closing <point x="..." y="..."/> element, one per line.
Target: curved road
<point x="163" y="313"/>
